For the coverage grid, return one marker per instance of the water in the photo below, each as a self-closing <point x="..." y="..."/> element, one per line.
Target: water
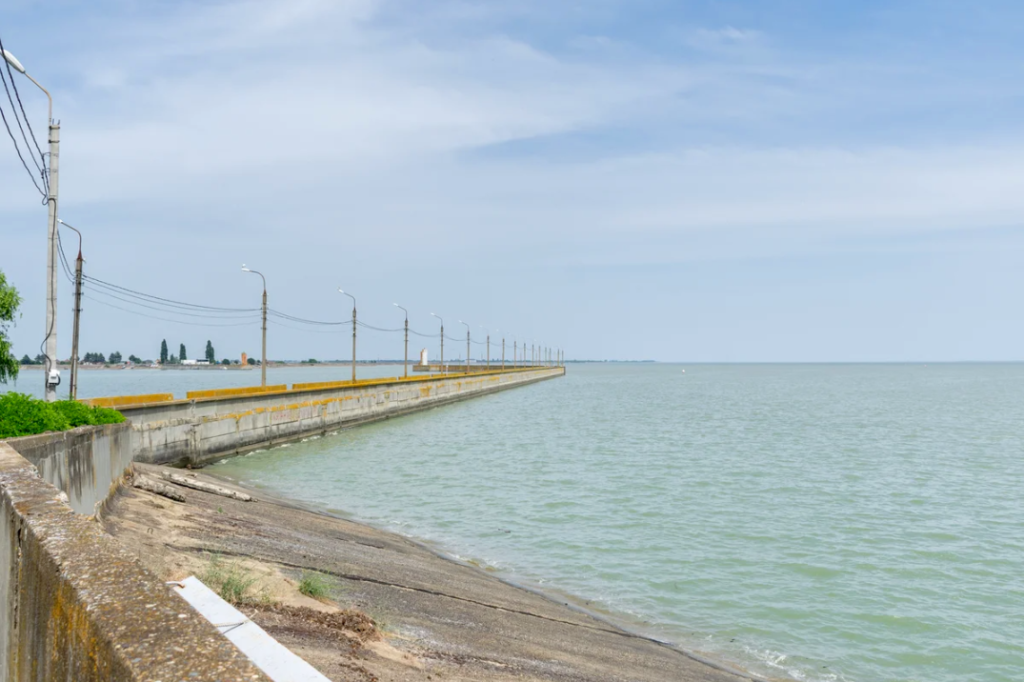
<point x="94" y="383"/>
<point x="818" y="522"/>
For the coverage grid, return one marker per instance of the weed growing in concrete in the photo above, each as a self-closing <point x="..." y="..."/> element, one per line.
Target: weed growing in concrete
<point x="316" y="585"/>
<point x="230" y="581"/>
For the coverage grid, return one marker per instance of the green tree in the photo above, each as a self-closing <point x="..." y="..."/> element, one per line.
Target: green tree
<point x="173" y="360"/>
<point x="115" y="358"/>
<point x="181" y="353"/>
<point x="136" y="360"/>
<point x="250" y="361"/>
<point x="94" y="357"/>
<point x="225" y="361"/>
<point x="163" y="352"/>
<point x="9" y="302"/>
<point x="26" y="360"/>
<point x="210" y="355"/>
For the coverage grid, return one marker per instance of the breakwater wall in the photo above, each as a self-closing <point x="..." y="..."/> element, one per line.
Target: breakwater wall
<point x="83" y="463"/>
<point x="212" y="424"/>
<point x="75" y="605"/>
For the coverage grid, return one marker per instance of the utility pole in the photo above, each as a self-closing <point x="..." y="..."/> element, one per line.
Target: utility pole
<point x="503" y="354"/>
<point x="442" y="341"/>
<point x="515" y="352"/>
<point x="406" y="340"/>
<point x="263" y="359"/>
<point x="51" y="378"/>
<point x="73" y="389"/>
<point x="353" y="333"/>
<point x="467" y="346"/>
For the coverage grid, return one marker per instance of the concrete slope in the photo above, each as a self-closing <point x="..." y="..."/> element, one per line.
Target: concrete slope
<point x="446" y="619"/>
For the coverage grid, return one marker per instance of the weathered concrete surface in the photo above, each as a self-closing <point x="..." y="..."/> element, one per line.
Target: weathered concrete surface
<point x="75" y="605"/>
<point x="200" y="430"/>
<point x="84" y="463"/>
<point x="449" y="621"/>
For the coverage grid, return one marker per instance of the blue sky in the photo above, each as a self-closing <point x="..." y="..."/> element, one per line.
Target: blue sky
<point x="693" y="181"/>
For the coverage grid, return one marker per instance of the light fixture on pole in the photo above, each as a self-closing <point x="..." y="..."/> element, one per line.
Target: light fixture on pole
<point x="443" y="371"/>
<point x="467" y="344"/>
<point x="488" y="365"/>
<point x="342" y="291"/>
<point x="51" y="378"/>
<point x="73" y="388"/>
<point x="406" y="340"/>
<point x="263" y="358"/>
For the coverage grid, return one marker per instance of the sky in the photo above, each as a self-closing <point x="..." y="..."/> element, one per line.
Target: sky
<point x="694" y="181"/>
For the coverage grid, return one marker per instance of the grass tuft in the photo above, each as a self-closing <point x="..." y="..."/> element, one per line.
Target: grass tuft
<point x="231" y="581"/>
<point x="316" y="585"/>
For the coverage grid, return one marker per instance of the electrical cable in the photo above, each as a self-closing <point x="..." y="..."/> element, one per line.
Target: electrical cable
<point x="164" y="319"/>
<point x="307" y="331"/>
<point x="168" y="301"/>
<point x="303" y="321"/>
<point x="28" y="147"/>
<point x="218" y="316"/>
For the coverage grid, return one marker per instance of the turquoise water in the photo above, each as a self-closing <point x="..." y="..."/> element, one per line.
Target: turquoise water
<point x="817" y="522"/>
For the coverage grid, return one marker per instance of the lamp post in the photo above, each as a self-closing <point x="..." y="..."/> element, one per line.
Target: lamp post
<point x="488" y="365"/>
<point x="406" y="340"/>
<point x="73" y="389"/>
<point x="467" y="344"/>
<point x="515" y="351"/>
<point x="442" y="342"/>
<point x="502" y="353"/>
<point x="342" y="291"/>
<point x="263" y="359"/>
<point x="51" y="377"/>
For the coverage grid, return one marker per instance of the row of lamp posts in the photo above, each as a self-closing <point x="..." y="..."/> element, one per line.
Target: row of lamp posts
<point x="535" y="352"/>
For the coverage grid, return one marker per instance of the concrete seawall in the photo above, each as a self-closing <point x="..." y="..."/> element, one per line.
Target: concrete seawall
<point x="83" y="463"/>
<point x="75" y="605"/>
<point x="198" y="430"/>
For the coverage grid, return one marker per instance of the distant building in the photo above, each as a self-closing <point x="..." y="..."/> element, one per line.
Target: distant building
<point x="245" y="358"/>
<point x="189" y="362"/>
<point x="423" y="356"/>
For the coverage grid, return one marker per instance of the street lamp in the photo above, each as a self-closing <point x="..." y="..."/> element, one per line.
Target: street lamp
<point x="467" y="344"/>
<point x="515" y="351"/>
<point x="488" y="365"/>
<point x="443" y="371"/>
<point x="406" y="340"/>
<point x="52" y="376"/>
<point x="342" y="291"/>
<point x="263" y="360"/>
<point x="73" y="389"/>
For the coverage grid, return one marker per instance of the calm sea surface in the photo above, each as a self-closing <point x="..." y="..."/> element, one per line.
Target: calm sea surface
<point x="819" y="522"/>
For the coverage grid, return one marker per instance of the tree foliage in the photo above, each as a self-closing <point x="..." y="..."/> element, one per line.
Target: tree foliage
<point x="94" y="357"/>
<point x="22" y="415"/>
<point x="181" y="353"/>
<point x="9" y="302"/>
<point x="210" y="355"/>
<point x="163" y="352"/>
<point x="114" y="358"/>
<point x="133" y="358"/>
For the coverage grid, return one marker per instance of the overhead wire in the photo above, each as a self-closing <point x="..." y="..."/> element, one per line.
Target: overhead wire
<point x="168" y="301"/>
<point x="41" y="163"/>
<point x="164" y="319"/>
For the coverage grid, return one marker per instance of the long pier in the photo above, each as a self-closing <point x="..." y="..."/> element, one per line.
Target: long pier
<point x="209" y="425"/>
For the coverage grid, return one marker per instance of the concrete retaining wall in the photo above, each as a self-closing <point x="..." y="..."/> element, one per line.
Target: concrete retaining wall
<point x="197" y="431"/>
<point x="74" y="605"/>
<point x="84" y="463"/>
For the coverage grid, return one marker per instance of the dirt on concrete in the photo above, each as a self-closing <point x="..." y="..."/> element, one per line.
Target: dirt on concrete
<point x="389" y="609"/>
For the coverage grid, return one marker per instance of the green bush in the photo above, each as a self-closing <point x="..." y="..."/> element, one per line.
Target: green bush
<point x="75" y="412"/>
<point x="22" y="415"/>
<point x="105" y="415"/>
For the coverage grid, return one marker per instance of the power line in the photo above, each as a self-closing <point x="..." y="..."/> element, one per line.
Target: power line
<point x="28" y="147"/>
<point x="217" y="316"/>
<point x="168" y="301"/>
<point x="164" y="319"/>
<point x="301" y="320"/>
